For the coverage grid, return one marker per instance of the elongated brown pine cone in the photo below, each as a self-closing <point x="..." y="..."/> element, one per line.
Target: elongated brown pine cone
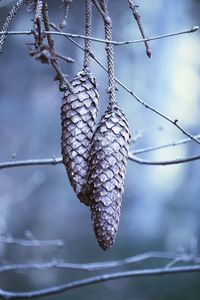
<point x="107" y="169"/>
<point x="78" y="117"/>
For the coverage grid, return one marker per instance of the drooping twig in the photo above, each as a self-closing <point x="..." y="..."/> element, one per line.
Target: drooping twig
<point x="9" y="19"/>
<point x="66" y="4"/>
<point x="97" y="279"/>
<point x="46" y="53"/>
<point x="134" y="9"/>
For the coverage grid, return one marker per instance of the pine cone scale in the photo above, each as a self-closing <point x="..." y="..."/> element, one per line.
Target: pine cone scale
<point x="78" y="120"/>
<point x="106" y="174"/>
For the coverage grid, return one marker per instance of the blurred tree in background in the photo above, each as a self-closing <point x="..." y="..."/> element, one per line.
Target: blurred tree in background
<point x="160" y="209"/>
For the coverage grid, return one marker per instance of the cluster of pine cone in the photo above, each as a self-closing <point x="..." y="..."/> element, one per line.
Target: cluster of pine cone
<point x="95" y="156"/>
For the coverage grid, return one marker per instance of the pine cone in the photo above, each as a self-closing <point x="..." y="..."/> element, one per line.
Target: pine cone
<point x="107" y="169"/>
<point x="78" y="117"/>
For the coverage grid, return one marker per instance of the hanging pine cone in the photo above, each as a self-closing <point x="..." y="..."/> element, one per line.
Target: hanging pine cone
<point x="78" y="116"/>
<point x="107" y="169"/>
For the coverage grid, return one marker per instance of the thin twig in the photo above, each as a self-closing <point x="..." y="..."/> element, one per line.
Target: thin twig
<point x="149" y="149"/>
<point x="65" y="58"/>
<point x="31" y="162"/>
<point x="138" y="20"/>
<point x="115" y="43"/>
<point x="58" y="160"/>
<point x="148" y="106"/>
<point x="97" y="279"/>
<point x="64" y="83"/>
<point x="100" y="266"/>
<point x="174" y="122"/>
<point x="164" y="162"/>
<point x="30" y="243"/>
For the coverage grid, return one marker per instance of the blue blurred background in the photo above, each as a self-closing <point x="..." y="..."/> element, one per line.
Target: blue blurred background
<point x="161" y="205"/>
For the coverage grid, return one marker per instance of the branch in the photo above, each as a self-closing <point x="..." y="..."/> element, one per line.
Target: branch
<point x="58" y="160"/>
<point x="148" y="149"/>
<point x="115" y="43"/>
<point x="164" y="162"/>
<point x="138" y="21"/>
<point x="138" y="99"/>
<point x="99" y="266"/>
<point x="31" y="162"/>
<point x="97" y="279"/>
<point x="30" y="243"/>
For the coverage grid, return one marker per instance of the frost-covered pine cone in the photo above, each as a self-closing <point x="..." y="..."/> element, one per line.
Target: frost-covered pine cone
<point x="78" y="116"/>
<point x="107" y="170"/>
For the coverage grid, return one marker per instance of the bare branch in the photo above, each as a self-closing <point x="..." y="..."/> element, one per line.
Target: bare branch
<point x="58" y="160"/>
<point x="97" y="279"/>
<point x="115" y="43"/>
<point x="30" y="243"/>
<point x="148" y="149"/>
<point x="162" y="163"/>
<point x="138" y="20"/>
<point x="148" y="106"/>
<point x="100" y="266"/>
<point x="31" y="162"/>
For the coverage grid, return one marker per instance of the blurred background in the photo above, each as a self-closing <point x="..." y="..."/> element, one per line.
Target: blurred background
<point x="161" y="206"/>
